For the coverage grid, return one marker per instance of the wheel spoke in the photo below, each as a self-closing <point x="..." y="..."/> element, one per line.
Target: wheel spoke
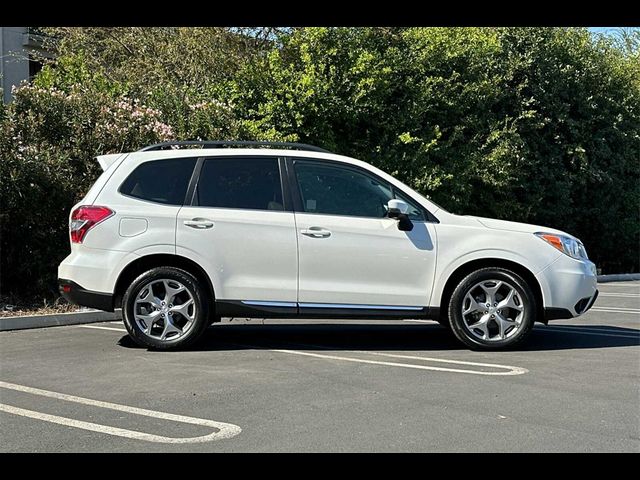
<point x="490" y="292"/>
<point x="473" y="307"/>
<point x="170" y="292"/>
<point x="503" y="324"/>
<point x="149" y="320"/>
<point x="169" y="327"/>
<point x="509" y="301"/>
<point x="149" y="297"/>
<point x="481" y="325"/>
<point x="183" y="309"/>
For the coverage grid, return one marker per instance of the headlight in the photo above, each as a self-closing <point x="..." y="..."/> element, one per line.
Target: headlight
<point x="567" y="245"/>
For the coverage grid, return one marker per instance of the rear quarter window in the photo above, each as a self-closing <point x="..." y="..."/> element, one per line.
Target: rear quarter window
<point x="160" y="181"/>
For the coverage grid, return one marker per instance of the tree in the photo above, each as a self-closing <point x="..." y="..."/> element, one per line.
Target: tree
<point x="538" y="125"/>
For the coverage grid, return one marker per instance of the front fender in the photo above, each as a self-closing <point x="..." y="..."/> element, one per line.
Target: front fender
<point x="458" y="246"/>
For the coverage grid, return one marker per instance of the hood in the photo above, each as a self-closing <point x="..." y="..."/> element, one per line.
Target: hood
<point x="516" y="227"/>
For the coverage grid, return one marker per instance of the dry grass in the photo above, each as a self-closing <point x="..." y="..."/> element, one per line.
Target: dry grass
<point x="40" y="311"/>
<point x="9" y="308"/>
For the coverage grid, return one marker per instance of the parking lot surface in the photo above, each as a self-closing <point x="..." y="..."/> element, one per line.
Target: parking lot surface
<point x="282" y="385"/>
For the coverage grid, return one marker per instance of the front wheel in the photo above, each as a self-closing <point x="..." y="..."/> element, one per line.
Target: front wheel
<point x="165" y="308"/>
<point x="492" y="308"/>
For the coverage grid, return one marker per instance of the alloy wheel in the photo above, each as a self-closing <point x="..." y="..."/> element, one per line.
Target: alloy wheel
<point x="493" y="310"/>
<point x="164" y="309"/>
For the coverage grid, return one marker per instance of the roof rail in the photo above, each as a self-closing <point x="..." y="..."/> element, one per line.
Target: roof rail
<point x="232" y="143"/>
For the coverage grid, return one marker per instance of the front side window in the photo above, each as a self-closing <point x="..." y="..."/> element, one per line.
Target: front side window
<point x="160" y="181"/>
<point x="336" y="190"/>
<point x="247" y="183"/>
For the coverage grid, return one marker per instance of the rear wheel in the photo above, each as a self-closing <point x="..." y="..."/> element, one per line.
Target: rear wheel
<point x="165" y="308"/>
<point x="492" y="308"/>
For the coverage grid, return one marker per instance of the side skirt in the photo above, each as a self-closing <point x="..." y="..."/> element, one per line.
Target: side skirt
<point x="265" y="309"/>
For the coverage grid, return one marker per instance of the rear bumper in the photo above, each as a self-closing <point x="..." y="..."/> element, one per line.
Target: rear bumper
<point x="78" y="295"/>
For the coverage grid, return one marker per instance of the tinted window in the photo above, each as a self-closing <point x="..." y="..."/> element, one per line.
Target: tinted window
<point x="162" y="181"/>
<point x="249" y="183"/>
<point x="415" y="212"/>
<point x="336" y="190"/>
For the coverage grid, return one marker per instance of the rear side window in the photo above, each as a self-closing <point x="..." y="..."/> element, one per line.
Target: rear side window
<point x="161" y="181"/>
<point x="240" y="182"/>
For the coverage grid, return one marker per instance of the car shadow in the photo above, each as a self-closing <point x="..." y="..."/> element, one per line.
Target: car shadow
<point x="425" y="337"/>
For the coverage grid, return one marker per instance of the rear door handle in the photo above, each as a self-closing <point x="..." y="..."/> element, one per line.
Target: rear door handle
<point x="316" y="232"/>
<point x="199" y="223"/>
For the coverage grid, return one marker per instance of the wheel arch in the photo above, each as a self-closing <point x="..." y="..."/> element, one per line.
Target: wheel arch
<point x="147" y="262"/>
<point x="466" y="268"/>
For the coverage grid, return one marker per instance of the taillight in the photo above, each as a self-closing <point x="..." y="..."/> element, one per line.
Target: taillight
<point x="84" y="218"/>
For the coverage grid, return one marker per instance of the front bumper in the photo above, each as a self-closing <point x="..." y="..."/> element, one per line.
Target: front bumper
<point x="551" y="313"/>
<point x="78" y="295"/>
<point x="569" y="287"/>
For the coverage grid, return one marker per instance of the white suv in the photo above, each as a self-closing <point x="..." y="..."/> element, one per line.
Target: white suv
<point x="180" y="237"/>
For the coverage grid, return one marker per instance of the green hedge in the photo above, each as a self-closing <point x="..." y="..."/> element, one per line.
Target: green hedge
<point x="540" y="125"/>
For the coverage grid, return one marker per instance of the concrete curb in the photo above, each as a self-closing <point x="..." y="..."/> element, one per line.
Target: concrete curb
<point x="621" y="277"/>
<point x="57" y="320"/>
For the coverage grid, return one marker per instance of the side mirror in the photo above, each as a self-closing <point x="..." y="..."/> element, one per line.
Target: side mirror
<point x="398" y="209"/>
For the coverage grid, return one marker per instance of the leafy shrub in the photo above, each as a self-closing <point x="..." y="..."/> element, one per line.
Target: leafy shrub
<point x="540" y="125"/>
<point x="48" y="142"/>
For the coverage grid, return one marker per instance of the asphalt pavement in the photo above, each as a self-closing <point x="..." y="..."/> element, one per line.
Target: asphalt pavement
<point x="328" y="386"/>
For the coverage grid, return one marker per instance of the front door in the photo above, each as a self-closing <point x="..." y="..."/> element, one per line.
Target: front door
<point x="351" y="256"/>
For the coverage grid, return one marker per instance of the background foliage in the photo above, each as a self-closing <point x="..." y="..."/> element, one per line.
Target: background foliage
<point x="540" y="125"/>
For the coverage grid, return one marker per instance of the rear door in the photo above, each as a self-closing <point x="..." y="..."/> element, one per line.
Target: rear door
<point x="240" y="228"/>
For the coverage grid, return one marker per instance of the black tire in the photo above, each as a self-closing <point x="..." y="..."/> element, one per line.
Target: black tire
<point x="462" y="331"/>
<point x="197" y="292"/>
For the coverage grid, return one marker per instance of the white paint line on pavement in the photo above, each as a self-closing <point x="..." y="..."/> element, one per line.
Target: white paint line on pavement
<point x="621" y="295"/>
<point x="224" y="430"/>
<point x="580" y="328"/>
<point x="614" y="310"/>
<point x="620" y="309"/>
<point x="576" y="332"/>
<point x="103" y="328"/>
<point x="510" y="370"/>
<point x="519" y="370"/>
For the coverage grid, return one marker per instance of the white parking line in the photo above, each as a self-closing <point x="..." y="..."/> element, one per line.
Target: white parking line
<point x="575" y="332"/>
<point x="515" y="370"/>
<point x="104" y="328"/>
<point x="510" y="369"/>
<point x="616" y="309"/>
<point x="579" y="328"/>
<point x="631" y="311"/>
<point x="224" y="430"/>
<point x="621" y="295"/>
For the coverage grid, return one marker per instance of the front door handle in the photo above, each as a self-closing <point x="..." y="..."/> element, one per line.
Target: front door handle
<point x="199" y="223"/>
<point x="316" y="232"/>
